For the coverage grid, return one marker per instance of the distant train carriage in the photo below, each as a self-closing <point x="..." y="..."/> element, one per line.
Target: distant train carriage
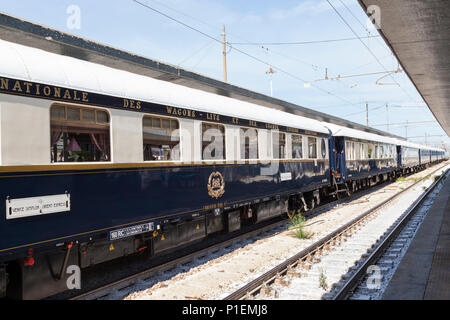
<point x="409" y="156"/>
<point x="362" y="158"/>
<point x="425" y="156"/>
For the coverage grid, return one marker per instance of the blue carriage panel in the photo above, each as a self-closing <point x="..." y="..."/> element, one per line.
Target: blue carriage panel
<point x="105" y="199"/>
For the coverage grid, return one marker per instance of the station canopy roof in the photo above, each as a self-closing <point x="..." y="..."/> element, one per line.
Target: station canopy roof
<point x="23" y="32"/>
<point x="418" y="32"/>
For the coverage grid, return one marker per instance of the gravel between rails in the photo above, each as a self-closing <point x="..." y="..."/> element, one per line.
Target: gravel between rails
<point x="322" y="279"/>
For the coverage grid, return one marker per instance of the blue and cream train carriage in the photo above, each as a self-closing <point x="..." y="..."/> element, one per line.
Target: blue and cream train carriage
<point x="98" y="163"/>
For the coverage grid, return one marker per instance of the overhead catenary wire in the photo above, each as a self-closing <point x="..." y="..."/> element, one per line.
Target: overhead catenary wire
<point x="298" y="42"/>
<point x="365" y="45"/>
<point x="368" y="31"/>
<point x="265" y="49"/>
<point x="207" y="45"/>
<point x="360" y="112"/>
<point x="240" y="51"/>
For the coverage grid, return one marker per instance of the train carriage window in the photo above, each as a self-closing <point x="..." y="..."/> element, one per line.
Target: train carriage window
<point x="73" y="114"/>
<point x="357" y="151"/>
<point x="88" y="116"/>
<point x="101" y="117"/>
<point x="297" y="146"/>
<point x="58" y="113"/>
<point x="370" y="153"/>
<point x="312" y="148"/>
<point x="77" y="135"/>
<point x="161" y="139"/>
<point x="279" y="145"/>
<point x="348" y="150"/>
<point x="249" y="143"/>
<point x="266" y="137"/>
<point x="323" y="148"/>
<point x="365" y="151"/>
<point x="213" y="141"/>
<point x="375" y="154"/>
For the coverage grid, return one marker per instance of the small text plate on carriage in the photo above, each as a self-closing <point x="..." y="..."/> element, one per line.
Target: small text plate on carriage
<point x="285" y="176"/>
<point x="35" y="206"/>
<point x="131" y="231"/>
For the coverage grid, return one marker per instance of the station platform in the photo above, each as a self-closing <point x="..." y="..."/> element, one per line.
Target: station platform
<point x="424" y="272"/>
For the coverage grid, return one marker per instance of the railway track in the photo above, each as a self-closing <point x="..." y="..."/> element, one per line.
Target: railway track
<point x="125" y="283"/>
<point x="104" y="291"/>
<point x="266" y="285"/>
<point x="122" y="284"/>
<point x="396" y="241"/>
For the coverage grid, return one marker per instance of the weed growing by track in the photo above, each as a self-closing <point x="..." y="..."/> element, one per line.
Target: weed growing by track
<point x="323" y="280"/>
<point x="297" y="225"/>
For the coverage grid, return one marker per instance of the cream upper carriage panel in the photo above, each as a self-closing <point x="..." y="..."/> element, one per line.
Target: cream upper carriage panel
<point x="340" y="131"/>
<point x="35" y="65"/>
<point x="32" y="64"/>
<point x="353" y="133"/>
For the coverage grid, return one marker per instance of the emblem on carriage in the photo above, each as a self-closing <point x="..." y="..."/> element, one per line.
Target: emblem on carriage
<point x="216" y="185"/>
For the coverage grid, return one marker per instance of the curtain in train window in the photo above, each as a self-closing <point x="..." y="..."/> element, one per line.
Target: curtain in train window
<point x="213" y="141"/>
<point x="161" y="139"/>
<point x="323" y="148"/>
<point x="249" y="143"/>
<point x="348" y="150"/>
<point x="312" y="148"/>
<point x="370" y="152"/>
<point x="357" y="151"/>
<point x="79" y="134"/>
<point x="297" y="147"/>
<point x="278" y="145"/>
<point x="366" y="151"/>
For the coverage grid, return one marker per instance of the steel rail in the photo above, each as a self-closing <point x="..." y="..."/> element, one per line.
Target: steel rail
<point x="308" y="253"/>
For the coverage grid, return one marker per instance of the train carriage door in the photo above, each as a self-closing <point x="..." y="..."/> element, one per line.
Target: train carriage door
<point x="399" y="157"/>
<point x="339" y="158"/>
<point x="331" y="155"/>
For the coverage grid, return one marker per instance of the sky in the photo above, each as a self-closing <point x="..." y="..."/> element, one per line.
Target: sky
<point x="260" y="34"/>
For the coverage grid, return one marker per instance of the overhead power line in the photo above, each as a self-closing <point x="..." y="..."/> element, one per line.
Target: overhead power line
<point x="433" y="135"/>
<point x="404" y="123"/>
<point x="298" y="42"/>
<point x="239" y="50"/>
<point x="365" y="45"/>
<point x="265" y="49"/>
<point x="372" y="109"/>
